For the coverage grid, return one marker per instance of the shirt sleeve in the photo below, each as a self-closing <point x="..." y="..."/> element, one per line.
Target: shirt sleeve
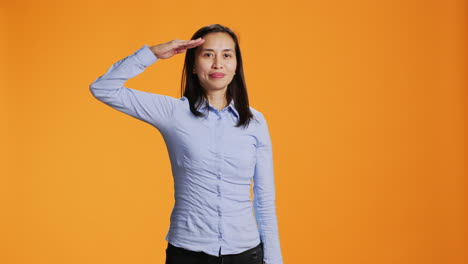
<point x="154" y="109"/>
<point x="264" y="196"/>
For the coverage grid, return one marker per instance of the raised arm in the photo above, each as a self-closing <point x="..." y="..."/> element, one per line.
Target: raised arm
<point x="149" y="107"/>
<point x="264" y="197"/>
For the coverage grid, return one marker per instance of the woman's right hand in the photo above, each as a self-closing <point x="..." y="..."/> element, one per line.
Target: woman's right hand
<point x="173" y="47"/>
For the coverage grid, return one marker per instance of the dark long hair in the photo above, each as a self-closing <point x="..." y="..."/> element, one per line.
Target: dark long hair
<point x="236" y="90"/>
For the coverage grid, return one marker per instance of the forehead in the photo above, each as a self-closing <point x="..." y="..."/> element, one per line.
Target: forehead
<point x="218" y="41"/>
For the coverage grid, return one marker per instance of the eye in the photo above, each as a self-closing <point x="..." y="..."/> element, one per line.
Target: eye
<point x="229" y="55"/>
<point x="207" y="54"/>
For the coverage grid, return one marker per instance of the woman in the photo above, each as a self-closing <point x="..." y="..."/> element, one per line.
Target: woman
<point x="217" y="146"/>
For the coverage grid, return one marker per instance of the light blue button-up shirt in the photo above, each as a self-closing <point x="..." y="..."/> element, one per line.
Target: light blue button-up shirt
<point x="213" y="164"/>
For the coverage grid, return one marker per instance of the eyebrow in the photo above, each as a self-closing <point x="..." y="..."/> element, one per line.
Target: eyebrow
<point x="213" y="50"/>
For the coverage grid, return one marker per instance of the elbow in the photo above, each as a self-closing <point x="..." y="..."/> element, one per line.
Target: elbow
<point x="97" y="91"/>
<point x="96" y="88"/>
<point x="94" y="91"/>
<point x="91" y="90"/>
<point x="265" y="199"/>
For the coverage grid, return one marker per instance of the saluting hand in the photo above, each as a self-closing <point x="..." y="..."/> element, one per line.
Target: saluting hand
<point x="173" y="47"/>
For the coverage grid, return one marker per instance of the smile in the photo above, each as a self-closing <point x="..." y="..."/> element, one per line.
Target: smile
<point x="217" y="75"/>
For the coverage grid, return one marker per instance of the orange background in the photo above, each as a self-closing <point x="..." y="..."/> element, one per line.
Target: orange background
<point x="366" y="103"/>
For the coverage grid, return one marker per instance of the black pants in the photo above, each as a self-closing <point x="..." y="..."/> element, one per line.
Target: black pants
<point x="177" y="255"/>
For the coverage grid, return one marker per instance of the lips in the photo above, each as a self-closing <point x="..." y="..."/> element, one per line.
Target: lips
<point x="217" y="75"/>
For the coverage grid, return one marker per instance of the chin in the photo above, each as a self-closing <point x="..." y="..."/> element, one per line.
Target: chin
<point x="216" y="87"/>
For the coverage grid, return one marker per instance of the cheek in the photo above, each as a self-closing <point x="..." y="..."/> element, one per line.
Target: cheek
<point x="200" y="66"/>
<point x="232" y="68"/>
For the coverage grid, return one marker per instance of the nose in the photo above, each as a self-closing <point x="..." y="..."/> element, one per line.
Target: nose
<point x="217" y="63"/>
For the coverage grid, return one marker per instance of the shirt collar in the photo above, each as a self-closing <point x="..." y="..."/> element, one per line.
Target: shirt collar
<point x="231" y="106"/>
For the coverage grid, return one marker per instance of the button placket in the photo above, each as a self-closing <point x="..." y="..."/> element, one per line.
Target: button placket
<point x="218" y="139"/>
<point x="219" y="158"/>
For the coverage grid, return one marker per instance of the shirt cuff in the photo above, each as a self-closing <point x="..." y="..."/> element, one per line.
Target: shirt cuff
<point x="146" y="56"/>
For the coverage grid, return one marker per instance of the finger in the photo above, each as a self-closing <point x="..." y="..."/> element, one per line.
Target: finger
<point x="194" y="43"/>
<point x="191" y="42"/>
<point x="189" y="46"/>
<point x="177" y="51"/>
<point x="187" y="41"/>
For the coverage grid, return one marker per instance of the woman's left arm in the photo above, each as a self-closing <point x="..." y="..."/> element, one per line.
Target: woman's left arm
<point x="264" y="196"/>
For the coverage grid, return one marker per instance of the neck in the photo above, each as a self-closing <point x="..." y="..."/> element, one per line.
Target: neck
<point x="217" y="98"/>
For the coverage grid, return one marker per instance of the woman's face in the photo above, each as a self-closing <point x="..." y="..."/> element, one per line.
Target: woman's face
<point x="215" y="61"/>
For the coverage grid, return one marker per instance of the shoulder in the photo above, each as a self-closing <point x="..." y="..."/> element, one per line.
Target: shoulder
<point x="260" y="127"/>
<point x="257" y="114"/>
<point x="183" y="101"/>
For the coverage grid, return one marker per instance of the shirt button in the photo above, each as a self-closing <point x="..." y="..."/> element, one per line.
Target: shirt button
<point x="219" y="213"/>
<point x="219" y="177"/>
